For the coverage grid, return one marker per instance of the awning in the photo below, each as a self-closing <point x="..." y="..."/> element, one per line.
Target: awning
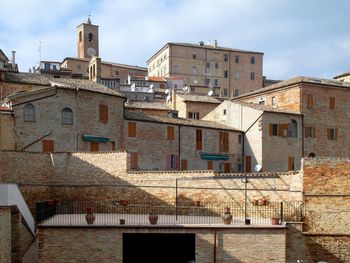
<point x="213" y="156"/>
<point x="94" y="138"/>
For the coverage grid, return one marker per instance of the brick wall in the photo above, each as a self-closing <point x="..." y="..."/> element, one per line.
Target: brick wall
<point x="7" y="139"/>
<point x="105" y="244"/>
<point x="5" y="234"/>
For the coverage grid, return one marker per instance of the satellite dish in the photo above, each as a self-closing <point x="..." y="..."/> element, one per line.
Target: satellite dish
<point x="210" y="93"/>
<point x="168" y="98"/>
<point x="166" y="91"/>
<point x="257" y="168"/>
<point x="150" y="89"/>
<point x="185" y="88"/>
<point x="146" y="78"/>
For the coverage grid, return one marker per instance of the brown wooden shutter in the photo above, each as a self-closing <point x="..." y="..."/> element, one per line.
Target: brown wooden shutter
<point x="305" y="132"/>
<point x="310" y="101"/>
<point x="280" y="132"/>
<point x="170" y="133"/>
<point x="132" y="129"/>
<point x="183" y="164"/>
<point x="48" y="146"/>
<point x="227" y="167"/>
<point x="271" y="129"/>
<point x="328" y="134"/>
<point x="332" y="103"/>
<point x="248" y="164"/>
<point x="285" y="129"/>
<point x="210" y="165"/>
<point x="336" y="134"/>
<point x="113" y="146"/>
<point x="103" y="113"/>
<point x="290" y="163"/>
<point x="133" y="161"/>
<point x="94" y="146"/>
<point x="313" y="132"/>
<point x="198" y="139"/>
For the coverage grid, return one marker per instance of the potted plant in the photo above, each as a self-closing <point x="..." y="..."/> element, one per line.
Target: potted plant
<point x="275" y="219"/>
<point x="227" y="216"/>
<point x="255" y="202"/>
<point x="123" y="202"/>
<point x="122" y="221"/>
<point x="153" y="218"/>
<point x="197" y="202"/>
<point x="89" y="217"/>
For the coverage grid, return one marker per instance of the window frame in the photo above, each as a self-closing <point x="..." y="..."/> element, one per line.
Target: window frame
<point x="67" y="120"/>
<point x="29" y="116"/>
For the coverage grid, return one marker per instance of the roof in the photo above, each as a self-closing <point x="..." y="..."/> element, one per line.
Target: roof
<point x="37" y="79"/>
<point x="342" y="75"/>
<point x="141" y="116"/>
<point x="155" y="79"/>
<point x="2" y="54"/>
<point x="147" y="105"/>
<point x="297" y="80"/>
<point x="109" y="63"/>
<point x="198" y="98"/>
<point x="267" y="108"/>
<point x="202" y="46"/>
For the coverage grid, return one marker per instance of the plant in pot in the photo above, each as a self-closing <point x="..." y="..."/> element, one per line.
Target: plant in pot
<point x="197" y="202"/>
<point x="153" y="217"/>
<point x="275" y="219"/>
<point x="122" y="221"/>
<point x="89" y="217"/>
<point x="227" y="216"/>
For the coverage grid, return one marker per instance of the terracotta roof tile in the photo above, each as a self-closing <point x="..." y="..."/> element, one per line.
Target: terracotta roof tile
<point x="198" y="98"/>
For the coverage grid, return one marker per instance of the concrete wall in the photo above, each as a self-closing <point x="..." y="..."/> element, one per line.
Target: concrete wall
<point x="105" y="244"/>
<point x="85" y="107"/>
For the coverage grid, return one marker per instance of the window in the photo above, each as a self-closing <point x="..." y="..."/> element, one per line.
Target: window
<point x="183" y="165"/>
<point x="227" y="167"/>
<point x="237" y="75"/>
<point x="194" y="71"/>
<point x="67" y="116"/>
<point x="262" y="102"/>
<point x="133" y="161"/>
<point x="225" y="92"/>
<point x="236" y="92"/>
<point x="103" y="113"/>
<point x="224" y="112"/>
<point x="252" y="60"/>
<point x="176" y="69"/>
<point x="273" y="101"/>
<point x="94" y="147"/>
<point x="226" y="73"/>
<point x="310" y="132"/>
<point x="194" y="56"/>
<point x="252" y="75"/>
<point x="198" y="139"/>
<point x="239" y="138"/>
<point x="210" y="165"/>
<point x="78" y="67"/>
<point x="216" y="65"/>
<point x="80" y="36"/>
<point x="309" y="101"/>
<point x="48" y="146"/>
<point x="132" y="129"/>
<point x="312" y="155"/>
<point x="293" y="129"/>
<point x="223" y="142"/>
<point x="117" y="72"/>
<point x="29" y="112"/>
<point x="236" y="59"/>
<point x="90" y="36"/>
<point x="172" y="162"/>
<point x="274" y="129"/>
<point x="225" y="57"/>
<point x="332" y="103"/>
<point x="332" y="134"/>
<point x="207" y="82"/>
<point x="248" y="164"/>
<point x="207" y="64"/>
<point x="290" y="163"/>
<point x="170" y="133"/>
<point x="193" y="115"/>
<point x="216" y="82"/>
<point x="112" y="146"/>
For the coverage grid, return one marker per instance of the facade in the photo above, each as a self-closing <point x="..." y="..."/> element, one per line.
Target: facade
<point x="343" y="77"/>
<point x="323" y="104"/>
<point x="150" y="107"/>
<point x="235" y="71"/>
<point x="271" y="138"/>
<point x="6" y="64"/>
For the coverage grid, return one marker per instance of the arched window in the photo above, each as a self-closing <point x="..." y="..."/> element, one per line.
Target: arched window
<point x="29" y="112"/>
<point x="293" y="129"/>
<point x="67" y="116"/>
<point x="194" y="71"/>
<point x="80" y="36"/>
<point x="312" y="155"/>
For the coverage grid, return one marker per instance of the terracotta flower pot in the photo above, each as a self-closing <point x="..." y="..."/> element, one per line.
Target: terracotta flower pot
<point x="275" y="221"/>
<point x="227" y="216"/>
<point x="153" y="218"/>
<point x="89" y="217"/>
<point x="122" y="221"/>
<point x="197" y="203"/>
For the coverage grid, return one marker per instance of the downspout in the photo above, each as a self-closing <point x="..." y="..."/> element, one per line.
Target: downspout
<point x="76" y="139"/>
<point x="179" y="138"/>
<point x="214" y="252"/>
<point x="243" y="137"/>
<point x="302" y="120"/>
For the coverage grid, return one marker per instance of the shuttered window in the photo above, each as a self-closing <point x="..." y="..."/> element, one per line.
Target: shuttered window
<point x="227" y="167"/>
<point x="94" y="146"/>
<point x="310" y="132"/>
<point x="224" y="142"/>
<point x="172" y="162"/>
<point x="332" y="103"/>
<point x="248" y="164"/>
<point x="170" y="133"/>
<point x="103" y="113"/>
<point x="310" y="101"/>
<point x="210" y="165"/>
<point x="133" y="161"/>
<point x="332" y="134"/>
<point x="198" y="139"/>
<point x="48" y="146"/>
<point x="132" y="129"/>
<point x="183" y="165"/>
<point x="290" y="163"/>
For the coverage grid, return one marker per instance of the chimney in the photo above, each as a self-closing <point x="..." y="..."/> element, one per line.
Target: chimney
<point x="173" y="99"/>
<point x="215" y="43"/>
<point x="13" y="59"/>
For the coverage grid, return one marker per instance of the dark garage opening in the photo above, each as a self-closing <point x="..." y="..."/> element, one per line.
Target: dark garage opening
<point x="179" y="248"/>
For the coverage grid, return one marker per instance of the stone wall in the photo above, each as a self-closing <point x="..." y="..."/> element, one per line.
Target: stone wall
<point x="7" y="138"/>
<point x="5" y="234"/>
<point x="105" y="244"/>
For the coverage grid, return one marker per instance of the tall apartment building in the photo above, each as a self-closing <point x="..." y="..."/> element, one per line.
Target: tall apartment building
<point x="235" y="71"/>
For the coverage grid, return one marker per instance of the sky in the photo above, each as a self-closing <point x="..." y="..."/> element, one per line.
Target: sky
<point x="297" y="37"/>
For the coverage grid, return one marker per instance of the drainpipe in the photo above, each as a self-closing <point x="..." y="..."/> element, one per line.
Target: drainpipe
<point x="214" y="253"/>
<point x="179" y="138"/>
<point x="302" y="120"/>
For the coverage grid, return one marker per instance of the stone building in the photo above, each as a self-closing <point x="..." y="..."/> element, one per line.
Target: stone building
<point x="271" y="137"/>
<point x="324" y="106"/>
<point x="234" y="71"/>
<point x="343" y="77"/>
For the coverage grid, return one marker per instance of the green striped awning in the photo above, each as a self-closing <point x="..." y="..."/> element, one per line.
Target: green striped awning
<point x="94" y="138"/>
<point x="213" y="156"/>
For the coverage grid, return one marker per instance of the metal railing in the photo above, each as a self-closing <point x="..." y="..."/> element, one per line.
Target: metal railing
<point x="201" y="213"/>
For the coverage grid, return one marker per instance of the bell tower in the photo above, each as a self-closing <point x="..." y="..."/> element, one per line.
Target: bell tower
<point x="87" y="40"/>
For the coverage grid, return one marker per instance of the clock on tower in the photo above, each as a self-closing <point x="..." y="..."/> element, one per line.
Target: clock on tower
<point x="87" y="40"/>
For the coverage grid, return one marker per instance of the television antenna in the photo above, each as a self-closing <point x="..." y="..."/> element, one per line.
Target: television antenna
<point x="40" y="49"/>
